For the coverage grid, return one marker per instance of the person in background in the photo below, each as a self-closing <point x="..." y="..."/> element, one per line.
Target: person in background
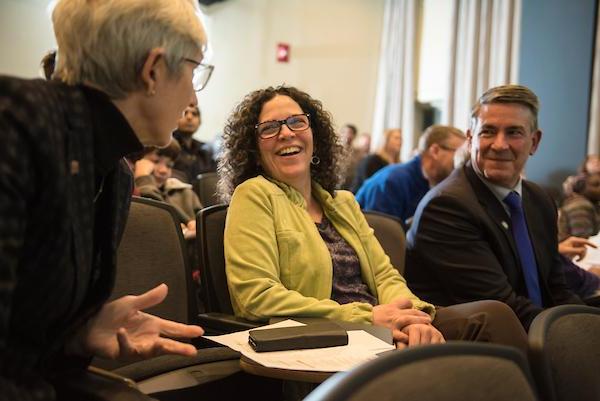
<point x="397" y="189"/>
<point x="153" y="180"/>
<point x="388" y="153"/>
<point x="196" y="157"/>
<point x="590" y="165"/>
<point x="296" y="246"/>
<point x="66" y="190"/>
<point x="362" y="145"/>
<point x="48" y="64"/>
<point x="584" y="283"/>
<point x="484" y="232"/>
<point x="579" y="214"/>
<point x="348" y="134"/>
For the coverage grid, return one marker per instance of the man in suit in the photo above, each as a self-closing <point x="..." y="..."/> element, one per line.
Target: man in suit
<point x="484" y="232"/>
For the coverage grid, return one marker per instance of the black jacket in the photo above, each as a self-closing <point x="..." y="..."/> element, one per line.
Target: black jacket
<point x="63" y="207"/>
<point x="460" y="247"/>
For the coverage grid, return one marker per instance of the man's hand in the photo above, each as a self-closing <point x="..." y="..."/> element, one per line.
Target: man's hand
<point x="397" y="315"/>
<point x="574" y="247"/>
<point x="122" y="331"/>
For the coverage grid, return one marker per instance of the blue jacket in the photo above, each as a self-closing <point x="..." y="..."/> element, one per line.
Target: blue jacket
<point x="395" y="189"/>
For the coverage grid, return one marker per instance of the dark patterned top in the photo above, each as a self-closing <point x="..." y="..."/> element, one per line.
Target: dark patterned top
<point x="348" y="285"/>
<point x="64" y="199"/>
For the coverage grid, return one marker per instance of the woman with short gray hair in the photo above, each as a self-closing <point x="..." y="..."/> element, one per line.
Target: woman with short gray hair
<point x="126" y="69"/>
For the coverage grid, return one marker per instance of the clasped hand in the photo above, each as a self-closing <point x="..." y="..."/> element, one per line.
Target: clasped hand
<point x="122" y="331"/>
<point x="409" y="326"/>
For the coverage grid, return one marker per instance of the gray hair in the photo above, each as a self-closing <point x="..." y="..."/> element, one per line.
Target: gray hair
<point x="107" y="42"/>
<point x="437" y="134"/>
<point x="508" y="94"/>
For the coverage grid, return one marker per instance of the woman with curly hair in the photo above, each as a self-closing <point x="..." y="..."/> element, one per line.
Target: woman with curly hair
<point x="294" y="246"/>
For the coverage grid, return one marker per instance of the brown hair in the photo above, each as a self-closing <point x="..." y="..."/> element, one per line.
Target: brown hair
<point x="240" y="155"/>
<point x="509" y="94"/>
<point x="171" y="151"/>
<point x="437" y="134"/>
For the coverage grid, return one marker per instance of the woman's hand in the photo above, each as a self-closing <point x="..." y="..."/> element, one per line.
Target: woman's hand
<point x="122" y="331"/>
<point x="574" y="247"/>
<point x="397" y="315"/>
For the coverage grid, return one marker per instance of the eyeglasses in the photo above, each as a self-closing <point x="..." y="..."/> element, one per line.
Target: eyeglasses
<point x="202" y="74"/>
<point x="296" y="122"/>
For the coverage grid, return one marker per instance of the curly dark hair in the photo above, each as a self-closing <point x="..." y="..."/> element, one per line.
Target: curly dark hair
<point x="240" y="156"/>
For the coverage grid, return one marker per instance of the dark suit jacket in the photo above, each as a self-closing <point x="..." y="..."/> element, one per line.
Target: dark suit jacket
<point x="53" y="275"/>
<point x="460" y="247"/>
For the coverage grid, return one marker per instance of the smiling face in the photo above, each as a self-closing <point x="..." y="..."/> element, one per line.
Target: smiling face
<point x="502" y="141"/>
<point x="163" y="167"/>
<point x="285" y="157"/>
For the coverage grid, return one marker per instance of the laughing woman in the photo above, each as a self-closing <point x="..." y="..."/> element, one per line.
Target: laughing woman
<point x="296" y="247"/>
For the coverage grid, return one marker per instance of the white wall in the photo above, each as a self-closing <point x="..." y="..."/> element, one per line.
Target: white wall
<point x="25" y="36"/>
<point x="334" y="52"/>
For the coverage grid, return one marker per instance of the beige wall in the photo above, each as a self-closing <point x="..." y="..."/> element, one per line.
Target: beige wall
<point x="25" y="36"/>
<point x="334" y="54"/>
<point x="334" y="51"/>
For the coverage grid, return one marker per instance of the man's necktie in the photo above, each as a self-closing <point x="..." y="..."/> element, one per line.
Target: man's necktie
<point x="524" y="247"/>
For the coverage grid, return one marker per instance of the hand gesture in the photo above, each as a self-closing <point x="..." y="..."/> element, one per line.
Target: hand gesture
<point x="574" y="247"/>
<point x="122" y="331"/>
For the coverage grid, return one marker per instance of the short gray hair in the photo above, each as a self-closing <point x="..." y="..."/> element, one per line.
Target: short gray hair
<point x="508" y="94"/>
<point x="437" y="134"/>
<point x="107" y="42"/>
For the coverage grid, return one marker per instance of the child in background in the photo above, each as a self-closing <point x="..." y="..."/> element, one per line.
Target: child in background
<point x="153" y="180"/>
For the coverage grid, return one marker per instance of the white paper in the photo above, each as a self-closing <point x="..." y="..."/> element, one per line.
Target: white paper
<point x="361" y="347"/>
<point x="592" y="255"/>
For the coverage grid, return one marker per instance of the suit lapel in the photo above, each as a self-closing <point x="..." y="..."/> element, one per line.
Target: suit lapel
<point x="533" y="227"/>
<point x="493" y="208"/>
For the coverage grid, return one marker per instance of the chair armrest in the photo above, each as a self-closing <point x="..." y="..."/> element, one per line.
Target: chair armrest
<point x="220" y="323"/>
<point x="593" y="300"/>
<point x="98" y="385"/>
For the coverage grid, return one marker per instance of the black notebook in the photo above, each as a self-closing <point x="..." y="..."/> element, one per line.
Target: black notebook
<point x="315" y="335"/>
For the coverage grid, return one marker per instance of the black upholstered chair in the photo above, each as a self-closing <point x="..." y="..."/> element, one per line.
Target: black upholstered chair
<point x="448" y="372"/>
<point x="152" y="251"/>
<point x="564" y="344"/>
<point x="205" y="187"/>
<point x="219" y="317"/>
<point x="390" y="234"/>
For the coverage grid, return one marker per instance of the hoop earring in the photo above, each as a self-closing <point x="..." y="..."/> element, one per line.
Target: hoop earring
<point x="315" y="160"/>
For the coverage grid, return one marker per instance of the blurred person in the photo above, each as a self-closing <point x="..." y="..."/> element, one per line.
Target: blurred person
<point x="348" y="134"/>
<point x="590" y="165"/>
<point x="397" y="189"/>
<point x="485" y="232"/>
<point x="388" y="153"/>
<point x="584" y="283"/>
<point x="66" y="190"/>
<point x="296" y="246"/>
<point x="48" y="64"/>
<point x="153" y="179"/>
<point x="579" y="215"/>
<point x="196" y="157"/>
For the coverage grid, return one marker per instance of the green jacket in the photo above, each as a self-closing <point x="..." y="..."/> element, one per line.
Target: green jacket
<point x="278" y="264"/>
